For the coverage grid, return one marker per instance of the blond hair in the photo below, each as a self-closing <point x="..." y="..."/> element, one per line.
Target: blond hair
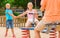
<point x="30" y="3"/>
<point x="7" y="4"/>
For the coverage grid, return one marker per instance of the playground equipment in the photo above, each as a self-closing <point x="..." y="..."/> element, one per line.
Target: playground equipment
<point x="26" y="32"/>
<point x="53" y="33"/>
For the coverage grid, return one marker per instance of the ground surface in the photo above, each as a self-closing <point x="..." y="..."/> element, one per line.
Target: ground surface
<point x="18" y="33"/>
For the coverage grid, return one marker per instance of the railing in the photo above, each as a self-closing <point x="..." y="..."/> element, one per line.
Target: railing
<point x="2" y="21"/>
<point x="20" y="22"/>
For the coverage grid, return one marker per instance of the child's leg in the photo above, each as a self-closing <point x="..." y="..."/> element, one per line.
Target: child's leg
<point x="7" y="27"/>
<point x="13" y="32"/>
<point x="36" y="21"/>
<point x="37" y="34"/>
<point x="59" y="34"/>
<point x="6" y="32"/>
<point x="12" y="29"/>
<point x="39" y="28"/>
<point x="28" y="23"/>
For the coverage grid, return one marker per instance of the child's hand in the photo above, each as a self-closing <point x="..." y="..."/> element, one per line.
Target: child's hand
<point x="15" y="16"/>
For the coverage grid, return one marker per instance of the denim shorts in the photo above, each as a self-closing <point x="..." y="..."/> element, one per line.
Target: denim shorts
<point x="9" y="24"/>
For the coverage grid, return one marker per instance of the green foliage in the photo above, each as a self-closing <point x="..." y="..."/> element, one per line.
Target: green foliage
<point x="16" y="13"/>
<point x="21" y="3"/>
<point x="17" y="3"/>
<point x="11" y="2"/>
<point x="3" y="2"/>
<point x="14" y="3"/>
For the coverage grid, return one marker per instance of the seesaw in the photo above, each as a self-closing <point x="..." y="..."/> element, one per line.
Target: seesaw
<point x="53" y="33"/>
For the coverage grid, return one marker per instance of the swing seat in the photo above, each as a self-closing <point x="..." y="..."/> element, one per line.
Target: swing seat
<point x="24" y="28"/>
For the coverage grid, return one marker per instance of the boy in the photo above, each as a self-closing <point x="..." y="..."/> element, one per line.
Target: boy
<point x="9" y="19"/>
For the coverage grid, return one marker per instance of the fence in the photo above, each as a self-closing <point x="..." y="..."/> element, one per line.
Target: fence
<point x="20" y="22"/>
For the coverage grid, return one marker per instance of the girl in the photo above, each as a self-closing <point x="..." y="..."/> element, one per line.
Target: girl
<point x="31" y="14"/>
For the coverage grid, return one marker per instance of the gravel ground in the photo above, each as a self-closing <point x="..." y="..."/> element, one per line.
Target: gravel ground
<point x="18" y="33"/>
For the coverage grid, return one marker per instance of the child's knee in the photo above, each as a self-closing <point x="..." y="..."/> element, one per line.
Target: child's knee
<point x="36" y="30"/>
<point x="39" y="28"/>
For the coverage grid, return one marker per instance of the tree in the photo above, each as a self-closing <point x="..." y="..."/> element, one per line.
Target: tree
<point x="22" y="3"/>
<point x="1" y="3"/>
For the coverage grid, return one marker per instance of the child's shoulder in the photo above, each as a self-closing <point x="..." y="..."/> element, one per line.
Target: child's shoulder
<point x="27" y="10"/>
<point x="35" y="10"/>
<point x="10" y="9"/>
<point x="6" y="10"/>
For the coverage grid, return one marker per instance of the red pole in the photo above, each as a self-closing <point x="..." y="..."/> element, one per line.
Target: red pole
<point x="53" y="34"/>
<point x="25" y="34"/>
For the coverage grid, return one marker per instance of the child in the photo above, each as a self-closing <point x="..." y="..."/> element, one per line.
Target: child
<point x="31" y="14"/>
<point x="9" y="19"/>
<point x="51" y="15"/>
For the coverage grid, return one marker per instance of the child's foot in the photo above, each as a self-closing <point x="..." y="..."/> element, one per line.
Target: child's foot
<point x="14" y="36"/>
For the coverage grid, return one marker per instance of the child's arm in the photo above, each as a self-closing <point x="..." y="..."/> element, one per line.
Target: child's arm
<point x="43" y="5"/>
<point x="22" y="14"/>
<point x="12" y="15"/>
